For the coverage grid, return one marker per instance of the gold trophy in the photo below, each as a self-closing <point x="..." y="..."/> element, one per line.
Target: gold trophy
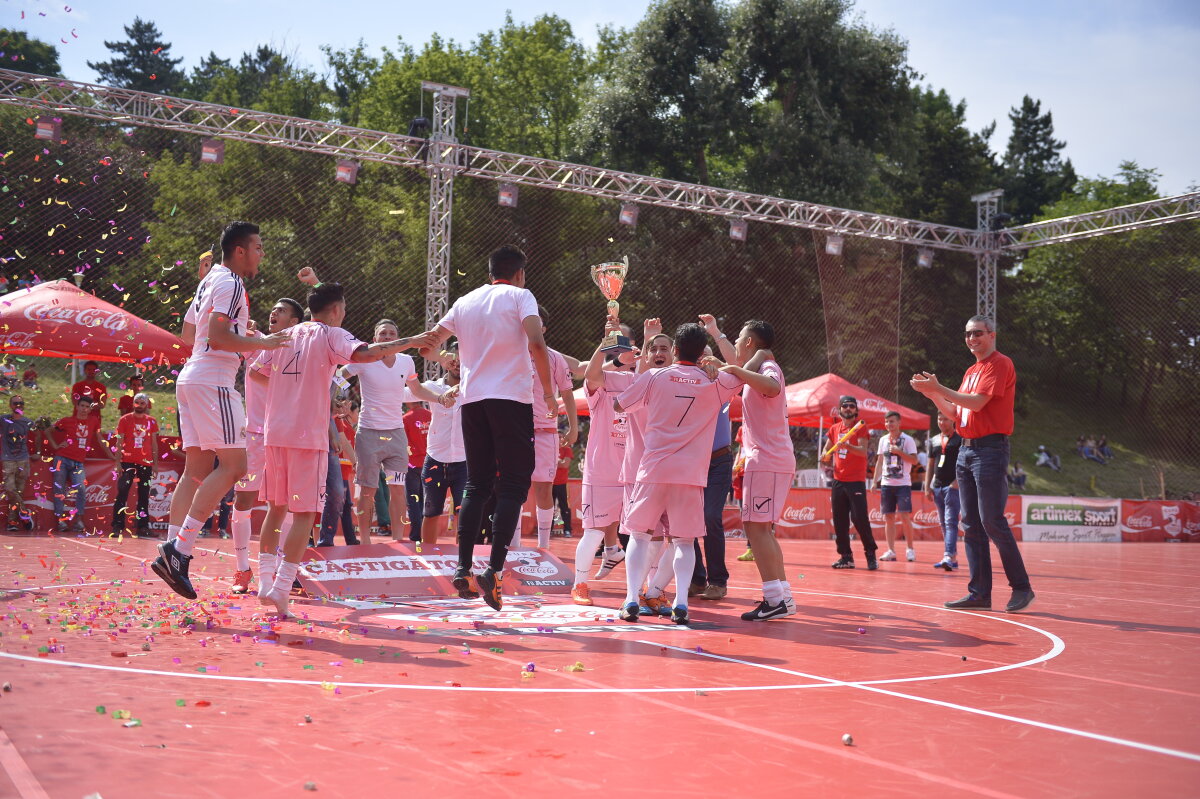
<point x="610" y="278"/>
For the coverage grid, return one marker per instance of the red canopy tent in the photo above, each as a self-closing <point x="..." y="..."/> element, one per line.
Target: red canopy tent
<point x="58" y="319"/>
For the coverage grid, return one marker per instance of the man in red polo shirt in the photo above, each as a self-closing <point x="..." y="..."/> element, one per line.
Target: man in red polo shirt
<point x="849" y="489"/>
<point x="983" y="412"/>
<point x="136" y="453"/>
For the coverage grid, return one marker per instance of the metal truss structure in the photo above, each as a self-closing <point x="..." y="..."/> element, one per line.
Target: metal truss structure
<point x="1101" y="223"/>
<point x="987" y="261"/>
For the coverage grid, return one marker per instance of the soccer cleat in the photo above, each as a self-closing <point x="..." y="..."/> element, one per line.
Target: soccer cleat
<point x="844" y="563"/>
<point x="765" y="610"/>
<point x="630" y="612"/>
<point x="611" y="561"/>
<point x="889" y="555"/>
<point x="657" y="606"/>
<point x="581" y="594"/>
<point x="491" y="586"/>
<point x="172" y="567"/>
<point x="241" y="581"/>
<point x="679" y="614"/>
<point x="747" y="556"/>
<point x="910" y="554"/>
<point x="464" y="582"/>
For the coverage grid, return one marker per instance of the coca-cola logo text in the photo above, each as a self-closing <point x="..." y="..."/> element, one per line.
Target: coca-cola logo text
<point x="84" y="317"/>
<point x="805" y="514"/>
<point x="1139" y="522"/>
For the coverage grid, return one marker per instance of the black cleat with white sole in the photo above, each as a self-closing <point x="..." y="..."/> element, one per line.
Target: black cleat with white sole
<point x="172" y="567"/>
<point x="766" y="611"/>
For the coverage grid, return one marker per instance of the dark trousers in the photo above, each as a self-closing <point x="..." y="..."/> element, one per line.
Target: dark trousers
<point x="414" y="493"/>
<point x="564" y="506"/>
<point x="850" y="503"/>
<point x="383" y="511"/>
<point x="338" y="507"/>
<point x="720" y="480"/>
<point x="129" y="472"/>
<point x="498" y="435"/>
<point x="983" y="492"/>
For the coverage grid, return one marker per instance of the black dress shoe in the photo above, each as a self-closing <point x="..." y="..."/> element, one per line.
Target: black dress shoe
<point x="1020" y="600"/>
<point x="970" y="602"/>
<point x="844" y="563"/>
<point x="872" y="564"/>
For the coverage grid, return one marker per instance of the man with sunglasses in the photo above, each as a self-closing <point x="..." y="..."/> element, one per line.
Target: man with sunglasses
<point x="983" y="412"/>
<point x="849" y="488"/>
<point x="14" y="443"/>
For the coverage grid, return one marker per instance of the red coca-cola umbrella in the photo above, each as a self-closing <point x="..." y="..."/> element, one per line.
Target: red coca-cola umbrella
<point x="812" y="402"/>
<point x="58" y="319"/>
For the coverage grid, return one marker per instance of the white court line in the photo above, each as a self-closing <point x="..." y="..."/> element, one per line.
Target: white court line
<point x="953" y="706"/>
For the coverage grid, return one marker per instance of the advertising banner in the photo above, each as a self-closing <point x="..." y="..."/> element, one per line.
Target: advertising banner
<point x="1071" y="519"/>
<point x="1156" y="520"/>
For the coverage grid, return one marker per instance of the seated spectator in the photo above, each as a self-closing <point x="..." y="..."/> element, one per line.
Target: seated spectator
<point x="1103" y="448"/>
<point x="1048" y="459"/>
<point x="8" y="375"/>
<point x="1080" y="443"/>
<point x="30" y="378"/>
<point x="1091" y="453"/>
<point x="1017" y="476"/>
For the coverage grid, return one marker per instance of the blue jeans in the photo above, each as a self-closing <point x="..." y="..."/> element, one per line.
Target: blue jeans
<point x="414" y="492"/>
<point x="337" y="495"/>
<point x="946" y="499"/>
<point x="68" y="469"/>
<point x="720" y="478"/>
<point x="983" y="490"/>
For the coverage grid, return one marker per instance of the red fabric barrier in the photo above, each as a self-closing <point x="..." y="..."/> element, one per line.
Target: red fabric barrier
<point x="1156" y="520"/>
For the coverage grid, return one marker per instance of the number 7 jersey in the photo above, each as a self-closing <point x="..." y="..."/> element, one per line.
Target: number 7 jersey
<point x="677" y="407"/>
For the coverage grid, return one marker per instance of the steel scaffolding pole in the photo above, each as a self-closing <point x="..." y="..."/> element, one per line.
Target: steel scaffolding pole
<point x="987" y="259"/>
<point x="1137" y="216"/>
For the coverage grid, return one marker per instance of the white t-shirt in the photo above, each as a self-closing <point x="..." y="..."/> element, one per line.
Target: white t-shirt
<point x="382" y="389"/>
<point x="896" y="469"/>
<point x="221" y="291"/>
<point x="493" y="350"/>
<point x="445" y="440"/>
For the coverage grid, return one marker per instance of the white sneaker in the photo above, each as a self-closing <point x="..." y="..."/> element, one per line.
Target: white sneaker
<point x="911" y="554"/>
<point x="889" y="555"/>
<point x="611" y="561"/>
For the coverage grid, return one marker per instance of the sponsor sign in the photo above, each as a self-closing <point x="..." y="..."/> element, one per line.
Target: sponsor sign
<point x="1071" y="519"/>
<point x="1156" y="520"/>
<point x="401" y="569"/>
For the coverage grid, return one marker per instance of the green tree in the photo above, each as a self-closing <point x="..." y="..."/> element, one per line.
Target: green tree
<point x="143" y="62"/>
<point x="1034" y="171"/>
<point x="200" y="82"/>
<point x="28" y="55"/>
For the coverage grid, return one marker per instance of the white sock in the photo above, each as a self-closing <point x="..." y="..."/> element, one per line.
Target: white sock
<point x="545" y="520"/>
<point x="660" y="573"/>
<point x="172" y="532"/>
<point x="241" y="538"/>
<point x="787" y="589"/>
<point x="281" y="591"/>
<point x="186" y="539"/>
<point x="614" y="549"/>
<point x="585" y="553"/>
<point x="773" y="591"/>
<point x="637" y="563"/>
<point x="268" y="564"/>
<point x="685" y="563"/>
<point x="653" y="558"/>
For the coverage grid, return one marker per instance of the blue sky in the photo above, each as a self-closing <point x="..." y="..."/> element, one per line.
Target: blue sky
<point x="1121" y="78"/>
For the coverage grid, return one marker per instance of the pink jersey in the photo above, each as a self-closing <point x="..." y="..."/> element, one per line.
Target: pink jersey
<point x="560" y="379"/>
<point x="300" y="376"/>
<point x="767" y="444"/>
<point x="679" y="405"/>
<point x="602" y="460"/>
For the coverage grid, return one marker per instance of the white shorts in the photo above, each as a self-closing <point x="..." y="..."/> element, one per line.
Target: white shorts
<point x="682" y="505"/>
<point x="764" y="495"/>
<point x="256" y="459"/>
<point x="296" y="478"/>
<point x="601" y="505"/>
<point x="545" y="455"/>
<point x="210" y="417"/>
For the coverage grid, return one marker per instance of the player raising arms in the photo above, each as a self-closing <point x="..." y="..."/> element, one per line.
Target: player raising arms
<point x="212" y="420"/>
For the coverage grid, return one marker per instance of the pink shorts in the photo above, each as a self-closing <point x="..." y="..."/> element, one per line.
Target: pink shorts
<point x="256" y="457"/>
<point x="662" y="528"/>
<point x="764" y="495"/>
<point x="601" y="505"/>
<point x="683" y="506"/>
<point x="545" y="455"/>
<point x="210" y="417"/>
<point x="295" y="478"/>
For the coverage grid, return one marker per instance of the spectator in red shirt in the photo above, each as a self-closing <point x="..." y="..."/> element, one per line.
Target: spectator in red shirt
<point x="92" y="388"/>
<point x="71" y="438"/>
<point x="30" y="378"/>
<point x="848" y="490"/>
<point x="136" y="454"/>
<point x="983" y="410"/>
<point x="565" y="454"/>
<point x="136" y="386"/>
<point x="416" y="427"/>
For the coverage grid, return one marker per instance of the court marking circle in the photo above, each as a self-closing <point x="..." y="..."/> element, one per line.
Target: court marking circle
<point x="1057" y="648"/>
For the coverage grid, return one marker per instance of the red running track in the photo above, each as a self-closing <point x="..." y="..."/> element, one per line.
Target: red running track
<point x="1094" y="692"/>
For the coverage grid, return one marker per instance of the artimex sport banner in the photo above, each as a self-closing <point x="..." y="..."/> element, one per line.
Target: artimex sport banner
<point x="1070" y="519"/>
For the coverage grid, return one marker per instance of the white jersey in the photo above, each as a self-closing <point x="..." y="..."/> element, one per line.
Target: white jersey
<point x="221" y="291"/>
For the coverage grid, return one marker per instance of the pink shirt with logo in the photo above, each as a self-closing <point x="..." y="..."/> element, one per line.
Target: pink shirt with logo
<point x="608" y="434"/>
<point x="679" y="405"/>
<point x="560" y="378"/>
<point x="300" y="375"/>
<point x="493" y="350"/>
<point x="767" y="444"/>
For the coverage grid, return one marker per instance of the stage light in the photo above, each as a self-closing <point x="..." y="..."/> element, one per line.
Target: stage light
<point x="737" y="229"/>
<point x="212" y="151"/>
<point x="48" y="128"/>
<point x="508" y="195"/>
<point x="924" y="257"/>
<point x="629" y="214"/>
<point x="833" y="244"/>
<point x="347" y="172"/>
